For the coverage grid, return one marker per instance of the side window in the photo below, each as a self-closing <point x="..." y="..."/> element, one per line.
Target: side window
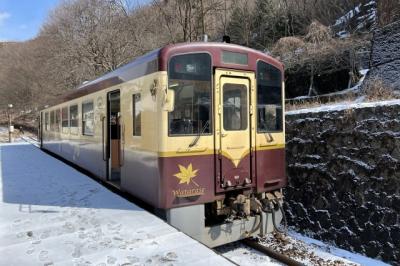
<point x="64" y="119"/>
<point x="87" y="118"/>
<point x="52" y="120"/>
<point x="269" y="98"/>
<point x="57" y="120"/>
<point x="73" y="115"/>
<point x="46" y="121"/>
<point x="137" y="115"/>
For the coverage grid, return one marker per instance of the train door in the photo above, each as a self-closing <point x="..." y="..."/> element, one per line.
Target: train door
<point x="114" y="137"/>
<point x="234" y="120"/>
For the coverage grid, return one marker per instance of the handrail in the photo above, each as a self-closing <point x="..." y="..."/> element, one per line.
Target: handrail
<point x="122" y="144"/>
<point x="103" y="139"/>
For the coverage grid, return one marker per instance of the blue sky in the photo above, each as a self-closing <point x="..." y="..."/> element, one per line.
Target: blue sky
<point x="20" y="20"/>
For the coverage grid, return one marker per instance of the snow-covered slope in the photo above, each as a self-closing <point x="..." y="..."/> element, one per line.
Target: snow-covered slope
<point x="362" y="18"/>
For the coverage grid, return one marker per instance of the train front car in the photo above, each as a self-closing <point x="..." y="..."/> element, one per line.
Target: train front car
<point x="221" y="156"/>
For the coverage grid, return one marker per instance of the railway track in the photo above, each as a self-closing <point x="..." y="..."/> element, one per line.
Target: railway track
<point x="271" y="253"/>
<point x="253" y="246"/>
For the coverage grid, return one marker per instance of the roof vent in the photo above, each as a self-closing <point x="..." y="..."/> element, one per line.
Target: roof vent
<point x="226" y="39"/>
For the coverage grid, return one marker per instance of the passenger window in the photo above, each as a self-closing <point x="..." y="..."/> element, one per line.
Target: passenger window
<point x="46" y="121"/>
<point x="190" y="77"/>
<point x="87" y="118"/>
<point x="137" y="115"/>
<point x="57" y="120"/>
<point x="52" y="119"/>
<point x="235" y="106"/>
<point x="64" y="120"/>
<point x="73" y="116"/>
<point x="269" y="98"/>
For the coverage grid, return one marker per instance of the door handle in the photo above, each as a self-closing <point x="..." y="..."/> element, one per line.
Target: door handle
<point x="224" y="135"/>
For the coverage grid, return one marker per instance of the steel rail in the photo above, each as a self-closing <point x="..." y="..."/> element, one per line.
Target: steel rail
<point x="271" y="253"/>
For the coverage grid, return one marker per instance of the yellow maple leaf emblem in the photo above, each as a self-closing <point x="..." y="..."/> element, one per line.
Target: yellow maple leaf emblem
<point x="186" y="175"/>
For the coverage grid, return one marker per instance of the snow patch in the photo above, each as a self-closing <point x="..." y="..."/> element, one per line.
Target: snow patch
<point x="349" y="15"/>
<point x="343" y="106"/>
<point x="321" y="249"/>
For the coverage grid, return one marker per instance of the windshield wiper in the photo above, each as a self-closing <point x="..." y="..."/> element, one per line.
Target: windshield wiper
<point x="270" y="137"/>
<point x="199" y="134"/>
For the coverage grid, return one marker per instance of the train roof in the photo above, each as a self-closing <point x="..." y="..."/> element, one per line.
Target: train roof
<point x="157" y="60"/>
<point x="215" y="49"/>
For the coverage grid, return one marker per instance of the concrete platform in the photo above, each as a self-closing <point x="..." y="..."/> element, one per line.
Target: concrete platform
<point x="51" y="214"/>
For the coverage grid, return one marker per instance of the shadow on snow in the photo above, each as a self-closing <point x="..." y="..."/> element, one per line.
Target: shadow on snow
<point x="31" y="177"/>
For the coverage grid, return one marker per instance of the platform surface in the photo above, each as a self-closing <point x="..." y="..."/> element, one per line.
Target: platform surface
<point x="51" y="214"/>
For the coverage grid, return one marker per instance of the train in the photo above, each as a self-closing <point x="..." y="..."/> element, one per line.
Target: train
<point x="195" y="130"/>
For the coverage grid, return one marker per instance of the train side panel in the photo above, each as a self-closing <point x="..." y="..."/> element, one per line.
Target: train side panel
<point x="85" y="151"/>
<point x="139" y="171"/>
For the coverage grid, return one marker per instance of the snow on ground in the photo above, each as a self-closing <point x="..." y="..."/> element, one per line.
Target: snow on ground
<point x="298" y="247"/>
<point x="51" y="214"/>
<point x="321" y="249"/>
<point x="302" y="252"/>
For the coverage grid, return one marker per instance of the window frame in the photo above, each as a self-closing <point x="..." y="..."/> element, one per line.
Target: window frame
<point x="46" y="121"/>
<point x="247" y="111"/>
<point x="83" y="120"/>
<point x="77" y="118"/>
<point x="57" y="119"/>
<point x="211" y="125"/>
<point x="282" y="100"/>
<point x="52" y="120"/>
<point x="62" y="120"/>
<point x="134" y="133"/>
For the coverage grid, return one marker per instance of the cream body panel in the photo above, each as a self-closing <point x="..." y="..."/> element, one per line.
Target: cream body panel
<point x="69" y="143"/>
<point x="140" y="174"/>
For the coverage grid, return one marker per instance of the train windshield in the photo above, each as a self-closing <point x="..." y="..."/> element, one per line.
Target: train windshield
<point x="190" y="77"/>
<point x="269" y="98"/>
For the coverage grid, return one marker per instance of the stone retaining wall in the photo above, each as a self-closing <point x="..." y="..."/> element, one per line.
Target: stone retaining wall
<point x="343" y="168"/>
<point x="385" y="55"/>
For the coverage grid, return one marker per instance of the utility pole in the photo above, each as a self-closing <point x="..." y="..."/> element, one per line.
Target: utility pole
<point x="10" y="127"/>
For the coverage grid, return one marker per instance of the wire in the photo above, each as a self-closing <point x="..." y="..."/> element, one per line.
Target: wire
<point x="284" y="231"/>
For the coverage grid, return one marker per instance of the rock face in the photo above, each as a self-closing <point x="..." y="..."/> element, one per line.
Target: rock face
<point x="344" y="178"/>
<point x="385" y="55"/>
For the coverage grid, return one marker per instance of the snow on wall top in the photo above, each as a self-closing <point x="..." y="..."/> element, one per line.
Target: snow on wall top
<point x="343" y="106"/>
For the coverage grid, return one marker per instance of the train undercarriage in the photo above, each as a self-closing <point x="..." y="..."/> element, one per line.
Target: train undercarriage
<point x="232" y="219"/>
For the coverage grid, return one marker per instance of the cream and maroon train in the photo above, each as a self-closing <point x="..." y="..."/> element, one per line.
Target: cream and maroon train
<point x="195" y="130"/>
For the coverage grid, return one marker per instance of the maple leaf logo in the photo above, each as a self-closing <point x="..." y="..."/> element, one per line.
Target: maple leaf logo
<point x="186" y="175"/>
